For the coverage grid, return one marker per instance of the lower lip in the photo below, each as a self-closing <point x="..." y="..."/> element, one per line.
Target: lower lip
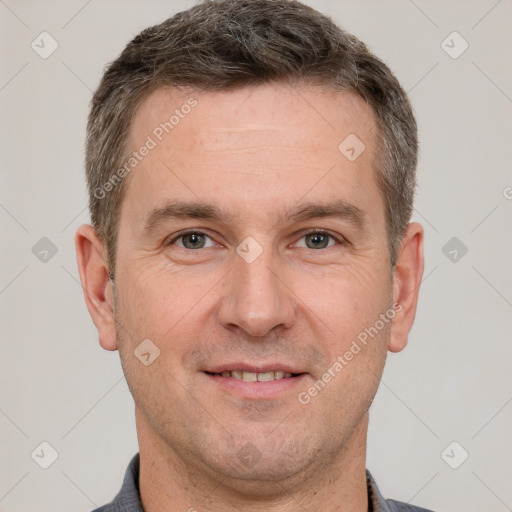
<point x="259" y="390"/>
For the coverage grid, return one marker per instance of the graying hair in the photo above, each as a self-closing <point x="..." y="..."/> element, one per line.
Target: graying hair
<point x="225" y="44"/>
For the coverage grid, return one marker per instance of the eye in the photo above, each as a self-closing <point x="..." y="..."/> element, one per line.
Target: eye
<point x="319" y="240"/>
<point x="192" y="240"/>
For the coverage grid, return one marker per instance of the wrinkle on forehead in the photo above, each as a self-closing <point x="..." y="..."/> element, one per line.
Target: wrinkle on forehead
<point x="271" y="108"/>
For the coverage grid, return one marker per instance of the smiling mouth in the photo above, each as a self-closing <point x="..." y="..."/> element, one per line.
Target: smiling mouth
<point x="255" y="377"/>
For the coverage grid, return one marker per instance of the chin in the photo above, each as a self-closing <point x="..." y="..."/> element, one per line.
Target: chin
<point x="258" y="465"/>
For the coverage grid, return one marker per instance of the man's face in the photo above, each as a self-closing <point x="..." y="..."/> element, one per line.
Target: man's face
<point x="251" y="290"/>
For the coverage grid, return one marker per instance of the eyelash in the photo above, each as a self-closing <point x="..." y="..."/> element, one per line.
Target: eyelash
<point x="338" y="238"/>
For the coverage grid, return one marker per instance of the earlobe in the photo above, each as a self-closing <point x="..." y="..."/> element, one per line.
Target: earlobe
<point x="406" y="284"/>
<point x="96" y="284"/>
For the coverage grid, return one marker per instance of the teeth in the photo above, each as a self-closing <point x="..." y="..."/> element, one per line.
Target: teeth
<point x="250" y="377"/>
<point x="256" y="377"/>
<point x="265" y="377"/>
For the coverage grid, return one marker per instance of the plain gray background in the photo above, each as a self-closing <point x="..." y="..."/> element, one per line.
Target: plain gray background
<point x="452" y="383"/>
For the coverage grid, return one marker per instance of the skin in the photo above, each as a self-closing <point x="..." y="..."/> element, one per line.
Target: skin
<point x="258" y="153"/>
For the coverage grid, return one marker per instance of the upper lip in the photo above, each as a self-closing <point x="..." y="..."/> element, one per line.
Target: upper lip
<point x="254" y="368"/>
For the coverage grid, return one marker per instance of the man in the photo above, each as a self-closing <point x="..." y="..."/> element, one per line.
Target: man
<point x="251" y="175"/>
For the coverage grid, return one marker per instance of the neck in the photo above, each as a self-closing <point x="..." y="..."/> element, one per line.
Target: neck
<point x="168" y="483"/>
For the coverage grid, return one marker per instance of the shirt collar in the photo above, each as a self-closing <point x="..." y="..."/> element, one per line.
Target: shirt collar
<point x="128" y="499"/>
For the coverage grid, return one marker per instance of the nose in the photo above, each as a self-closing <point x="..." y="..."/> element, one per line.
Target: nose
<point x="257" y="297"/>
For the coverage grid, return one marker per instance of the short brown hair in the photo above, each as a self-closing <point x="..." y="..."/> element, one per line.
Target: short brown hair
<point x="225" y="44"/>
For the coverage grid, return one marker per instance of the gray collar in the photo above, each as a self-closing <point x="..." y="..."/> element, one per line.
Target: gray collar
<point x="128" y="498"/>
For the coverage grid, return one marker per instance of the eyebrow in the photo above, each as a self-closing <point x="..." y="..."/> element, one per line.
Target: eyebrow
<point x="339" y="209"/>
<point x="301" y="212"/>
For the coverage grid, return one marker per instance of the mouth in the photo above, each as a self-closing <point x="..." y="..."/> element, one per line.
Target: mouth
<point x="256" y="383"/>
<point x="247" y="376"/>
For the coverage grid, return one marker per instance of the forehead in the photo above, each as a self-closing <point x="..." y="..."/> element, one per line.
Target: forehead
<point x="323" y="114"/>
<point x="265" y="144"/>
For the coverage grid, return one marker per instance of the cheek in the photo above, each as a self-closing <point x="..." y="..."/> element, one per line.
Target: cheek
<point x="164" y="305"/>
<point x="345" y="301"/>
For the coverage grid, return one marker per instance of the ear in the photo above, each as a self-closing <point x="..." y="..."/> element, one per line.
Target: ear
<point x="96" y="284"/>
<point x="406" y="285"/>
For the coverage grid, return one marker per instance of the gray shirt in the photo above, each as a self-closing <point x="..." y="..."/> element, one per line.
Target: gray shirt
<point x="128" y="498"/>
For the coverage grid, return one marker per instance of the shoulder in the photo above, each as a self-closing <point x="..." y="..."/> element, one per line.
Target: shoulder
<point x="128" y="498"/>
<point x="399" y="506"/>
<point x="377" y="503"/>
